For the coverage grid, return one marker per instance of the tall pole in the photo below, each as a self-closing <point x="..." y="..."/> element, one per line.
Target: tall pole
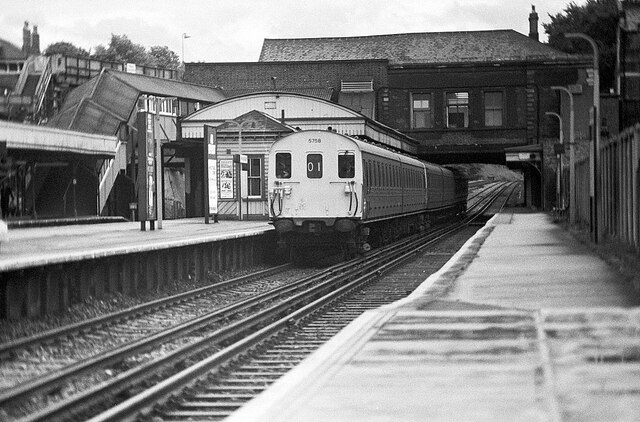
<point x="559" y="159"/>
<point x="595" y="173"/>
<point x="184" y="35"/>
<point x="572" y="156"/>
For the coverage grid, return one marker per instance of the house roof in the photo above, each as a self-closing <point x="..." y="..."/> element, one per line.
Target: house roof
<point x="104" y="102"/>
<point x="415" y="48"/>
<point x="9" y="51"/>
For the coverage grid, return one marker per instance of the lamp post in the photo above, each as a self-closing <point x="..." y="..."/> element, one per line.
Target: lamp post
<point x="594" y="162"/>
<point x="559" y="165"/>
<point x="239" y="125"/>
<point x="572" y="156"/>
<point x="184" y="36"/>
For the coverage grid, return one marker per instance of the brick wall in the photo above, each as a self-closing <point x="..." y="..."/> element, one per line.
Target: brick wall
<point x="259" y="75"/>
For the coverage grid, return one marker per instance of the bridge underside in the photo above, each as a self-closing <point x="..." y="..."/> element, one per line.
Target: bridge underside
<point x="459" y="154"/>
<point x="530" y="166"/>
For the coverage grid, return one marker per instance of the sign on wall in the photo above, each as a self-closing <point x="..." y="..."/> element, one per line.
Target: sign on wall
<point x="226" y="179"/>
<point x="146" y="167"/>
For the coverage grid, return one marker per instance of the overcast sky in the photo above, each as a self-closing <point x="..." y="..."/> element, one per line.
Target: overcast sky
<point x="233" y="30"/>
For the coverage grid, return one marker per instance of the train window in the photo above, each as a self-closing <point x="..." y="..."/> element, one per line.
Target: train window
<point x="283" y="165"/>
<point x="314" y="166"/>
<point x="365" y="174"/>
<point x="346" y="165"/>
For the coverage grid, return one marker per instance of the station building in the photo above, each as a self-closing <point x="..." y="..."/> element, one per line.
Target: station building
<point x="465" y="96"/>
<point x="248" y="125"/>
<point x="53" y="181"/>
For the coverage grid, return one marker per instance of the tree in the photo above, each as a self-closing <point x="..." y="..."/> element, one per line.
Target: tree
<point x="162" y="56"/>
<point x="122" y="49"/>
<point x="597" y="19"/>
<point x="66" y="48"/>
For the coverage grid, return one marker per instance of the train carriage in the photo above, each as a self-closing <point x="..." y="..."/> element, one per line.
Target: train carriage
<point x="329" y="190"/>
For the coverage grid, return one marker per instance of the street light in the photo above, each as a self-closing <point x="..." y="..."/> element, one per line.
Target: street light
<point x="594" y="162"/>
<point x="572" y="156"/>
<point x="184" y="36"/>
<point x="559" y="165"/>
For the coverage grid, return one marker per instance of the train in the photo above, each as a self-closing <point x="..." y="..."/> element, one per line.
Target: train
<point x="332" y="191"/>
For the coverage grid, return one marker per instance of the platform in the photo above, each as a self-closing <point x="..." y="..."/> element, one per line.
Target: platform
<point x="29" y="247"/>
<point x="522" y="324"/>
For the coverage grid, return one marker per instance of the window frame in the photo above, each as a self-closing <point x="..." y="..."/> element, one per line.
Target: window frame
<point x="485" y="109"/>
<point x="260" y="177"/>
<point x="466" y="115"/>
<point x="427" y="110"/>
<point x="315" y="174"/>
<point x="352" y="169"/>
<point x="287" y="165"/>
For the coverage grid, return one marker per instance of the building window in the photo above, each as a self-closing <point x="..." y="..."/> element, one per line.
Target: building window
<point x="167" y="106"/>
<point x="421" y="116"/>
<point x="493" y="105"/>
<point x="457" y="109"/>
<point x="254" y="177"/>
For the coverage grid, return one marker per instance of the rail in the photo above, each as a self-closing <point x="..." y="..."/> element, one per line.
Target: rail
<point x="43" y="84"/>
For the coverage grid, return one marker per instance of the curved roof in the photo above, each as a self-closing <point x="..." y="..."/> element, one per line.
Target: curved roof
<point x="415" y="48"/>
<point x="301" y="111"/>
<point x="295" y="106"/>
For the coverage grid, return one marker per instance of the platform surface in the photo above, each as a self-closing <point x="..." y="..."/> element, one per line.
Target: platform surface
<point x="35" y="246"/>
<point x="523" y="324"/>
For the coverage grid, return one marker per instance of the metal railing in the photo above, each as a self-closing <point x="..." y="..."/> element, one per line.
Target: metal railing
<point x="619" y="193"/>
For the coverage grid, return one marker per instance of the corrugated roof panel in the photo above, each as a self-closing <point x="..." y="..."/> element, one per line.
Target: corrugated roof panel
<point x="62" y="119"/>
<point x="169" y="87"/>
<point x="116" y="96"/>
<point x="76" y="95"/>
<point x="92" y="119"/>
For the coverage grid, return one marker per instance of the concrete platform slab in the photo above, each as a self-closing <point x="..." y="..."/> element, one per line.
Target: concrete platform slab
<point x="536" y="328"/>
<point x="29" y="247"/>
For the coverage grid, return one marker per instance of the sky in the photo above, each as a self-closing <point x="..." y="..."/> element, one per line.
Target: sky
<point x="234" y="30"/>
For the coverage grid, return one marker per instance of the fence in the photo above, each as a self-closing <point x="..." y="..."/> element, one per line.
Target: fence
<point x="618" y="195"/>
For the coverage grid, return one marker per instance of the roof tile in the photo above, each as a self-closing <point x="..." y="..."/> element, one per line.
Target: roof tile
<point x="414" y="48"/>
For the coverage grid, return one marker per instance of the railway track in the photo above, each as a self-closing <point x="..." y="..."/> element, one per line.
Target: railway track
<point x="251" y="321"/>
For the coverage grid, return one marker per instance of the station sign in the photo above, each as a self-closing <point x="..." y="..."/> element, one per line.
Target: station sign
<point x="211" y="168"/>
<point x="523" y="156"/>
<point x="146" y="177"/>
<point x="240" y="158"/>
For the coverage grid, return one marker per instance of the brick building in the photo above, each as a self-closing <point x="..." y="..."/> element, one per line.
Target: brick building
<point x="465" y="96"/>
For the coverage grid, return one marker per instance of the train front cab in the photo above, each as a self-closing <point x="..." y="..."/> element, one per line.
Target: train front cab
<point x="315" y="186"/>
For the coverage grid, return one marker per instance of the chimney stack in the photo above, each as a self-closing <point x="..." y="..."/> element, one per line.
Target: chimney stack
<point x="533" y="23"/>
<point x="35" y="41"/>
<point x="26" y="39"/>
